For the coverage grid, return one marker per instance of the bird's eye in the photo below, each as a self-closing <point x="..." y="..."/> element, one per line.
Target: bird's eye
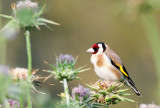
<point x="96" y="49"/>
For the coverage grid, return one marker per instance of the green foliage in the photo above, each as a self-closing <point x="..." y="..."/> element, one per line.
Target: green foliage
<point x="27" y="17"/>
<point x="105" y="93"/>
<point x="65" y="69"/>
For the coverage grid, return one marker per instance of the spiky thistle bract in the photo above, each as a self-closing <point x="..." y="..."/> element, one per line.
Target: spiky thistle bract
<point x="28" y="15"/>
<point x="105" y="93"/>
<point x="64" y="68"/>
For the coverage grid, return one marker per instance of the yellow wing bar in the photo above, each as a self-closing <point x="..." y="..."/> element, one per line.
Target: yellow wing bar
<point x="122" y="70"/>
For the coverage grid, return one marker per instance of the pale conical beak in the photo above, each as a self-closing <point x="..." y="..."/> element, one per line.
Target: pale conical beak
<point x="90" y="50"/>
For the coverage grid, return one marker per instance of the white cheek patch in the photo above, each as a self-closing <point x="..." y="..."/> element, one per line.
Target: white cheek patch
<point x="100" y="50"/>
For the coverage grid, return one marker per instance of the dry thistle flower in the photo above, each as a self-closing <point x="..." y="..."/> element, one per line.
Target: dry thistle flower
<point x="105" y="93"/>
<point x="22" y="74"/>
<point x="103" y="85"/>
<point x="148" y="106"/>
<point x="19" y="73"/>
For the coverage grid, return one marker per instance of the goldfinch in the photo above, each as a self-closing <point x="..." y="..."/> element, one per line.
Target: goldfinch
<point x="108" y="65"/>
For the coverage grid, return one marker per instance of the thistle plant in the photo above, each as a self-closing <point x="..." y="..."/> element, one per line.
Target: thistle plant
<point x="7" y="88"/>
<point x="64" y="71"/>
<point x="20" y="79"/>
<point x="11" y="104"/>
<point x="105" y="93"/>
<point x="145" y="9"/>
<point x="27" y="15"/>
<point x="5" y="82"/>
<point x="81" y="95"/>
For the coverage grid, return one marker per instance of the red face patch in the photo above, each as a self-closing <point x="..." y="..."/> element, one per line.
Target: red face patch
<point x="95" y="48"/>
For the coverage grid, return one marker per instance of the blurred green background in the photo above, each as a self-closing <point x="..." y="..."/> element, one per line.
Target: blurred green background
<point x="83" y="23"/>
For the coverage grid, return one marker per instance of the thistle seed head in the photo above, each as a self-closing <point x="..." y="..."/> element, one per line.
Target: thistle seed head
<point x="20" y="73"/>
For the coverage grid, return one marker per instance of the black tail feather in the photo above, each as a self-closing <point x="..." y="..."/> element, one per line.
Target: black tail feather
<point x="131" y="84"/>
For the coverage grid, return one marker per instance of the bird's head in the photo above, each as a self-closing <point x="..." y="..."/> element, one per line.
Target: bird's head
<point x="97" y="48"/>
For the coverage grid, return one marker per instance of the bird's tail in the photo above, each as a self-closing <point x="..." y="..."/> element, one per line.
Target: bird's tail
<point x="131" y="84"/>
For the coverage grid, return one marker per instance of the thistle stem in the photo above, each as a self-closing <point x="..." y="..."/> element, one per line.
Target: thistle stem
<point x="21" y="99"/>
<point x="28" y="44"/>
<point x="152" y="33"/>
<point x="66" y="91"/>
<point x="29" y="98"/>
<point x="3" y="43"/>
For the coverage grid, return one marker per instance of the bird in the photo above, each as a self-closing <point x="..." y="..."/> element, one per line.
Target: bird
<point x="108" y="65"/>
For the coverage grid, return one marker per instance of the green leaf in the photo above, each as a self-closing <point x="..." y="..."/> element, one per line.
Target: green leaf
<point x="103" y="92"/>
<point x="96" y="95"/>
<point x="76" y="97"/>
<point x="117" y="97"/>
<point x="120" y="86"/>
<point x="8" y="25"/>
<point x="91" y="99"/>
<point x="121" y="91"/>
<point x="91" y="87"/>
<point x="53" y="72"/>
<point x="73" y="64"/>
<point x="47" y="21"/>
<point x="124" y="94"/>
<point x="7" y="16"/>
<point x="36" y="25"/>
<point x="52" y="66"/>
<point x="40" y="12"/>
<point x="129" y="100"/>
<point x="107" y="98"/>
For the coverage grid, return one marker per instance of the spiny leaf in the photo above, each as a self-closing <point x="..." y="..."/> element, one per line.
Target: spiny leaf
<point x="7" y="16"/>
<point x="52" y="66"/>
<point x="35" y="24"/>
<point x="8" y="25"/>
<point x="91" y="87"/>
<point x="103" y="92"/>
<point x="117" y="97"/>
<point x="129" y="100"/>
<point x="121" y="91"/>
<point x="47" y="21"/>
<point x="40" y="12"/>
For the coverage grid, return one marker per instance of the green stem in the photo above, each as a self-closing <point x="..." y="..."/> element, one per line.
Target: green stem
<point x="21" y="99"/>
<point x="66" y="91"/>
<point x="28" y="44"/>
<point x="153" y="36"/>
<point x="3" y="43"/>
<point x="29" y="98"/>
